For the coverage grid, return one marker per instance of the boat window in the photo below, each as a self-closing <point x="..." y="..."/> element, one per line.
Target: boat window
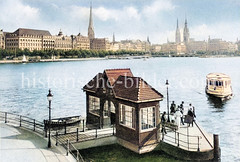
<point x="220" y="83"/>
<point x="216" y="83"/>
<point x="211" y="83"/>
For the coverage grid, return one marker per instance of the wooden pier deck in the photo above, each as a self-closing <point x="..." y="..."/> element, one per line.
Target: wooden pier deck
<point x="190" y="138"/>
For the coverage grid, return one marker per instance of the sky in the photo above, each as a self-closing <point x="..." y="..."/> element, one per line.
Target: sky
<point x="128" y="19"/>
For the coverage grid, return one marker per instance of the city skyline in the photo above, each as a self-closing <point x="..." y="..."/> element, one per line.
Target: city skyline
<point x="127" y="19"/>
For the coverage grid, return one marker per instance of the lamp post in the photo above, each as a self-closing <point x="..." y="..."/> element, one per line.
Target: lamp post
<point x="49" y="98"/>
<point x="167" y="84"/>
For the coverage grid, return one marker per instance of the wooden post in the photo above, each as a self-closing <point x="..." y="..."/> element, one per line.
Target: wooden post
<point x="198" y="145"/>
<point x="113" y="129"/>
<point x="67" y="147"/>
<point x="20" y="121"/>
<point x="178" y="139"/>
<point x="5" y="117"/>
<point x="77" y="156"/>
<point x="34" y="124"/>
<point x="65" y="127"/>
<point x="175" y="136"/>
<point x="217" y="152"/>
<point x="96" y="132"/>
<point x="188" y="137"/>
<point x="56" y="138"/>
<point x="83" y="126"/>
<point x="77" y="134"/>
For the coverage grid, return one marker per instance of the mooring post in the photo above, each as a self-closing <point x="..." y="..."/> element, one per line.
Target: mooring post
<point x="83" y="125"/>
<point x="96" y="132"/>
<point x="65" y="127"/>
<point x="77" y="156"/>
<point x="77" y="134"/>
<point x="113" y="129"/>
<point x="56" y="138"/>
<point x="20" y="121"/>
<point x="175" y="137"/>
<point x="217" y="152"/>
<point x="5" y="117"/>
<point x="67" y="147"/>
<point x="198" y="145"/>
<point x="34" y="124"/>
<point x="178" y="138"/>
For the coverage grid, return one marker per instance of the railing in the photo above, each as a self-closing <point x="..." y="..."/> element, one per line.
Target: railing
<point x="22" y="121"/>
<point x="36" y="126"/>
<point x="204" y="135"/>
<point x="76" y="136"/>
<point x="72" y="150"/>
<point x="178" y="139"/>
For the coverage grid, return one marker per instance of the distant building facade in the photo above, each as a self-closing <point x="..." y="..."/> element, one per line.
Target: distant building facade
<point x="29" y="38"/>
<point x="197" y="46"/>
<point x="100" y="44"/>
<point x="2" y="40"/>
<point x="81" y="42"/>
<point x="221" y="46"/>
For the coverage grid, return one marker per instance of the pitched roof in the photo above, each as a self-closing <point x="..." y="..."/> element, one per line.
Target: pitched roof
<point x="22" y="31"/>
<point x="113" y="74"/>
<point x="135" y="89"/>
<point x="95" y="83"/>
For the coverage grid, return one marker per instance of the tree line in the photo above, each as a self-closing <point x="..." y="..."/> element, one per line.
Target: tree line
<point x="47" y="54"/>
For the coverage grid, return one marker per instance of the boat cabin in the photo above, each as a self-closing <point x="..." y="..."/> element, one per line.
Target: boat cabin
<point x="117" y="97"/>
<point x="218" y="85"/>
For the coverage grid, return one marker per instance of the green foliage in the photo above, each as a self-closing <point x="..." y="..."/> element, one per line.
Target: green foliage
<point x="118" y="153"/>
<point x="74" y="53"/>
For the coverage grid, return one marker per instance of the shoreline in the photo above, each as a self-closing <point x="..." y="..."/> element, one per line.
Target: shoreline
<point x="106" y="58"/>
<point x="51" y="60"/>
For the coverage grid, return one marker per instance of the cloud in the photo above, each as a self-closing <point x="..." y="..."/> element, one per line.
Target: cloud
<point x="158" y="6"/>
<point x="224" y="30"/>
<point x="17" y="14"/>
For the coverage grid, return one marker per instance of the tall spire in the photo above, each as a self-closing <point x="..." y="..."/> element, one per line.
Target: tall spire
<point x="178" y="36"/>
<point x="113" y="38"/>
<point x="186" y="32"/>
<point x="91" y="34"/>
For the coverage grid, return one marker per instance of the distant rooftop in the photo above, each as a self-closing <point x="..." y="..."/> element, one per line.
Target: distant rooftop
<point x="34" y="32"/>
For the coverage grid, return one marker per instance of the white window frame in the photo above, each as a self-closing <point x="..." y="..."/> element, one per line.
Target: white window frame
<point x="127" y="116"/>
<point x="94" y="105"/>
<point x="148" y="118"/>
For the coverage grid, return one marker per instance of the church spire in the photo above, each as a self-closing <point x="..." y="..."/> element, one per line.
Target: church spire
<point x="91" y="34"/>
<point x="178" y="36"/>
<point x="186" y="32"/>
<point x="113" y="38"/>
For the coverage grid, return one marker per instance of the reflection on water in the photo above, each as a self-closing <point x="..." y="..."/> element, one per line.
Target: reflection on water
<point x="216" y="102"/>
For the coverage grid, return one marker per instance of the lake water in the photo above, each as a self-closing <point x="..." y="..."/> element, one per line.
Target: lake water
<point x="23" y="90"/>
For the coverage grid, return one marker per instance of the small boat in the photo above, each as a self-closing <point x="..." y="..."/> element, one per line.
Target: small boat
<point x="24" y="60"/>
<point x="219" y="85"/>
<point x="59" y="123"/>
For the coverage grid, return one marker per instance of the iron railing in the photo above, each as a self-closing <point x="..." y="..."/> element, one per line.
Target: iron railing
<point x="22" y="121"/>
<point x="37" y="126"/>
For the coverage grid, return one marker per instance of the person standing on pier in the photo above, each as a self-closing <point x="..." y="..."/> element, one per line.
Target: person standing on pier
<point x="191" y="115"/>
<point x="173" y="108"/>
<point x="181" y="107"/>
<point x="163" y="121"/>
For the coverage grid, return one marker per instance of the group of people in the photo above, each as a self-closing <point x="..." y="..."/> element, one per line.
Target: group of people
<point x="180" y="115"/>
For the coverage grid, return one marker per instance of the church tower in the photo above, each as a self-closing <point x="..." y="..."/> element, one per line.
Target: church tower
<point x="178" y="35"/>
<point x="186" y="33"/>
<point x="91" y="34"/>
